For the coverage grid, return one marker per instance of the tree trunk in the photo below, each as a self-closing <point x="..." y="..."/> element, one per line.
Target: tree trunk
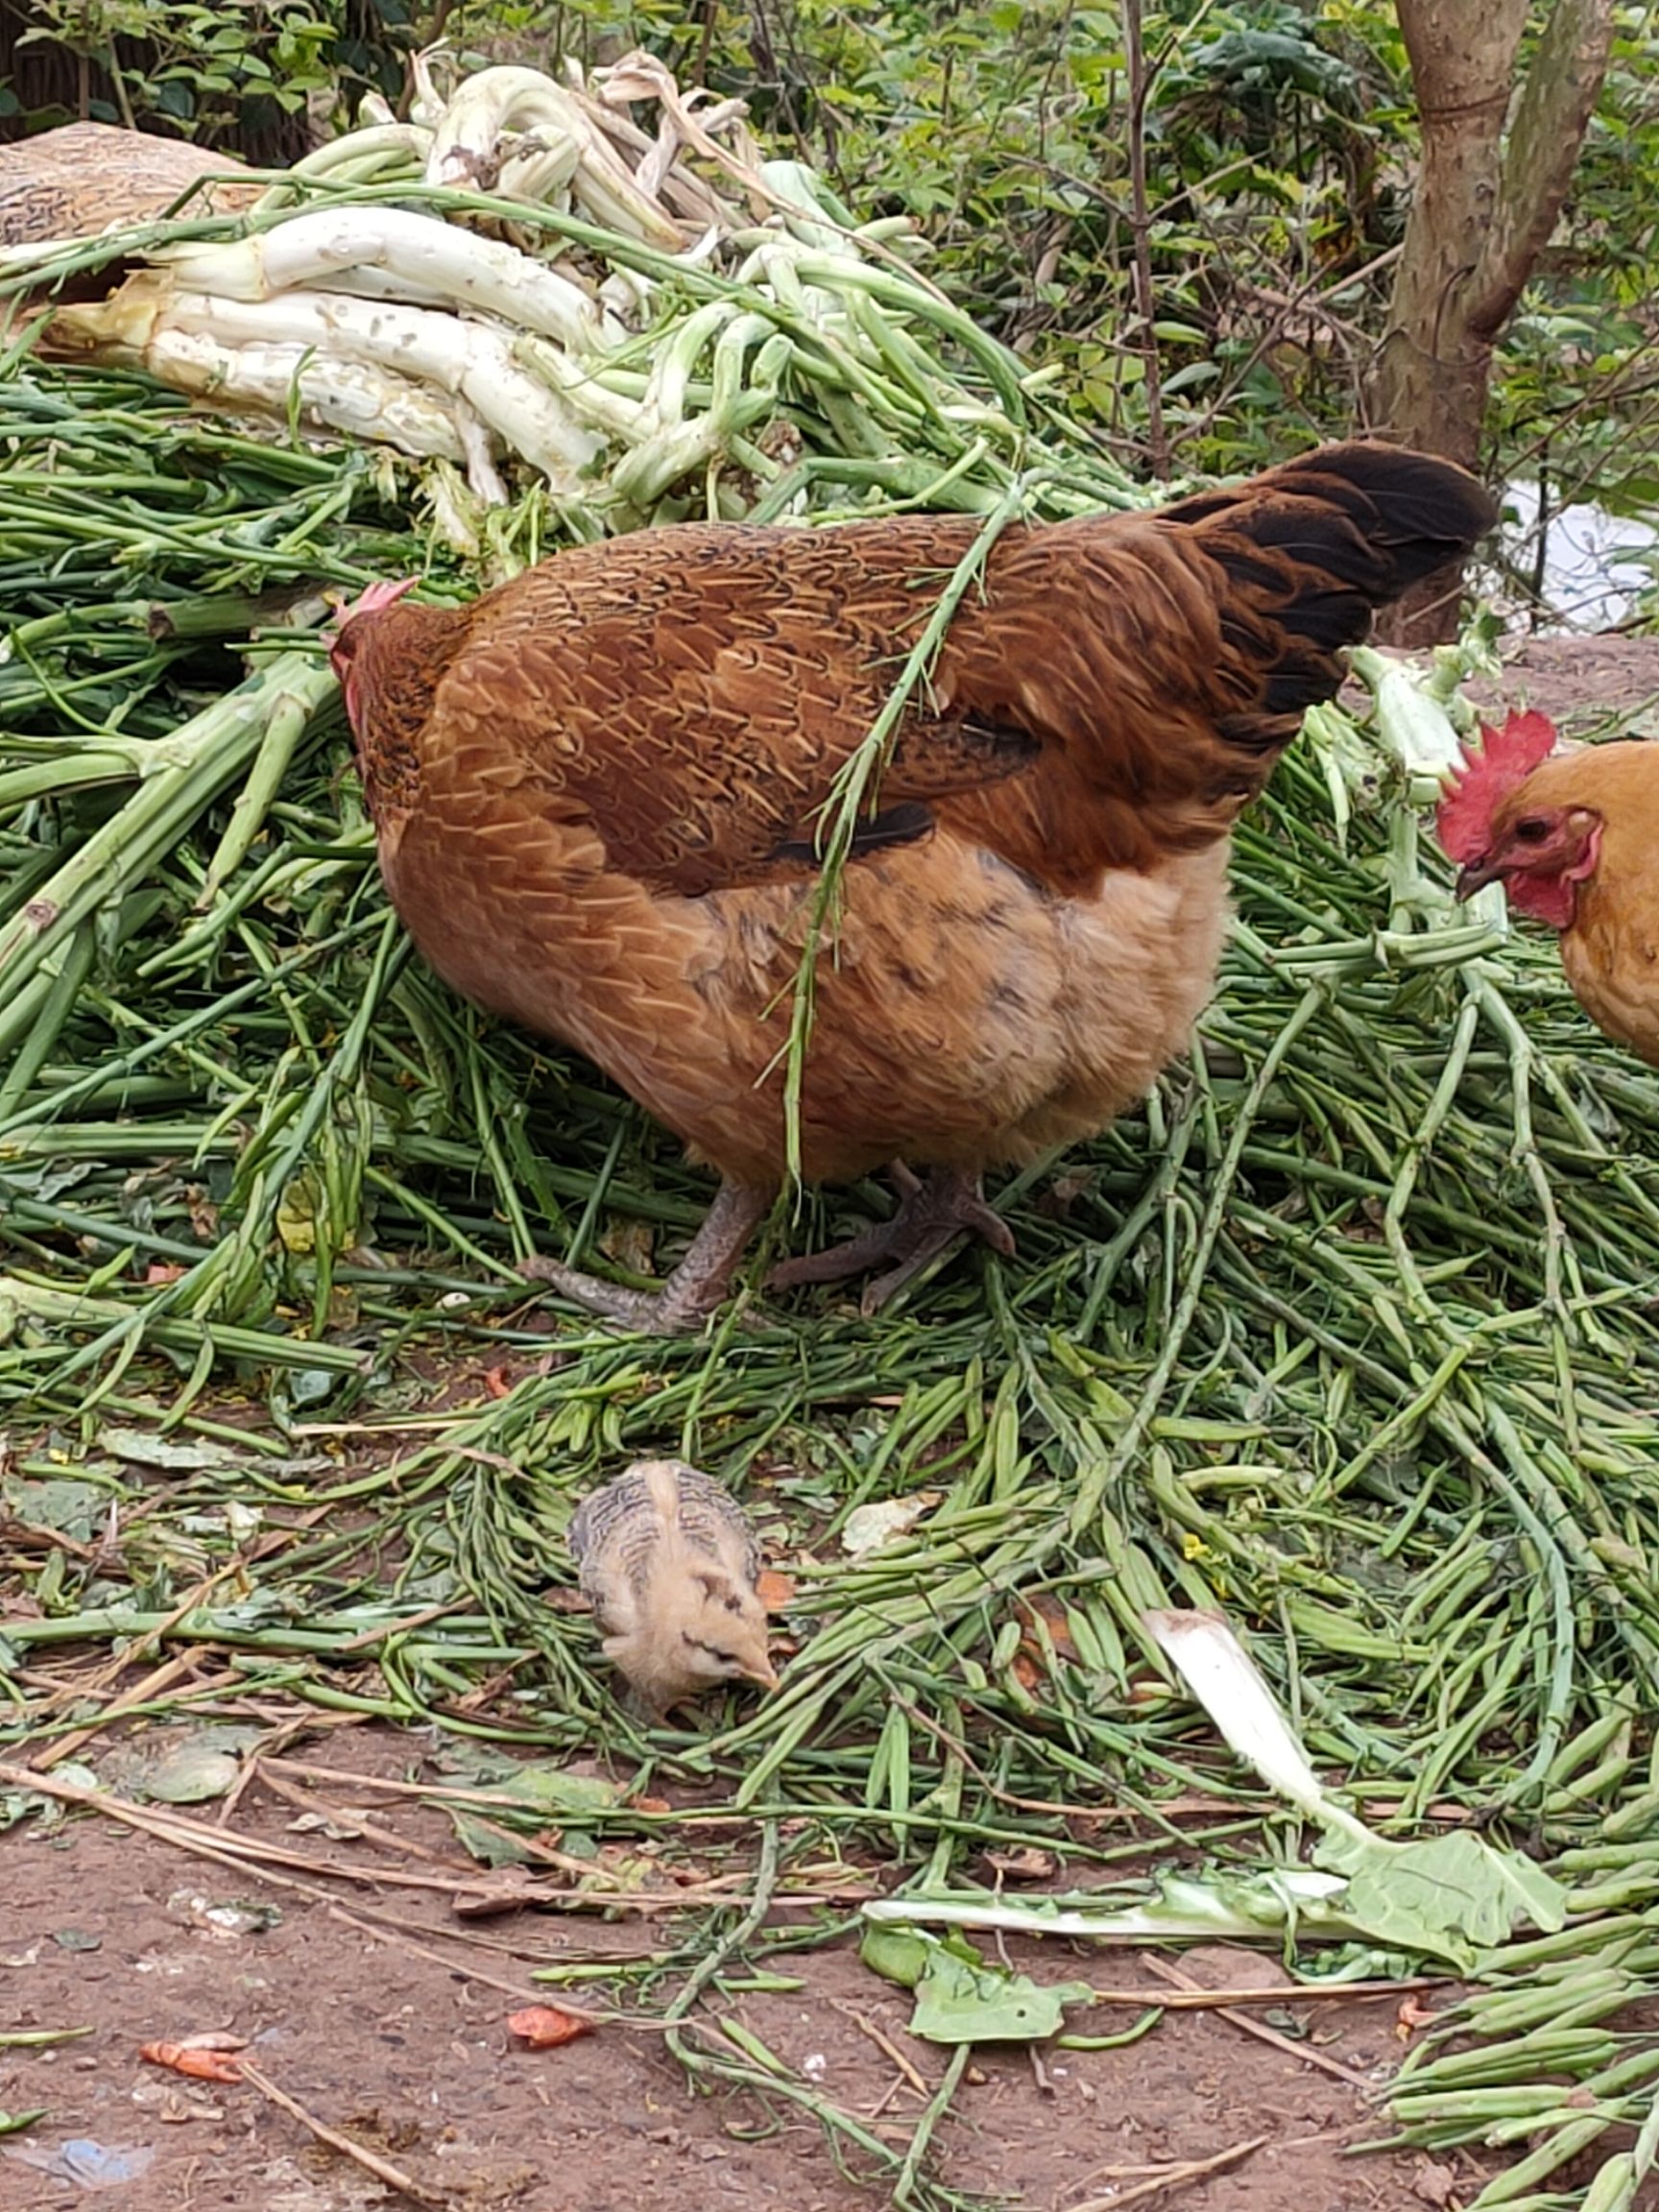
<point x="1484" y="208"/>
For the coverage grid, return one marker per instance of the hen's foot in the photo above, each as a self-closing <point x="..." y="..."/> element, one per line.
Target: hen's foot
<point x="695" y="1288"/>
<point x="931" y="1214"/>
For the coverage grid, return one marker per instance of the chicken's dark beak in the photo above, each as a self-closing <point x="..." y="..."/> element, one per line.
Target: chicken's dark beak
<point x="1475" y="877"/>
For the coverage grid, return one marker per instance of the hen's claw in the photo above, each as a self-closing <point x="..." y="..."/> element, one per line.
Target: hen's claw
<point x="692" y="1292"/>
<point x="931" y="1214"/>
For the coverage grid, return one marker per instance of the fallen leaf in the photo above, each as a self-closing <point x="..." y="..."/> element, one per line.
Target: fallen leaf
<point x="227" y="1919"/>
<point x="1064" y="1193"/>
<point x="1410" y="2015"/>
<point x="198" y="2064"/>
<point x="14" y="2122"/>
<point x="1056" y="1620"/>
<point x="544" y="2027"/>
<point x="189" y="1769"/>
<point x="869" y="1528"/>
<point x="630" y="1242"/>
<point x="148" y="1448"/>
<point x="1433" y="2183"/>
<point x="177" y="2111"/>
<point x="486" y="1842"/>
<point x="959" y="1998"/>
<point x="508" y="1890"/>
<point x="1024" y="1863"/>
<point x="776" y="1591"/>
<point x="163" y="1271"/>
<point x="496" y="1383"/>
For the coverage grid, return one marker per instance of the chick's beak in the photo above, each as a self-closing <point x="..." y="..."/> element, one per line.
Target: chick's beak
<point x="763" y="1674"/>
<point x="1475" y="877"/>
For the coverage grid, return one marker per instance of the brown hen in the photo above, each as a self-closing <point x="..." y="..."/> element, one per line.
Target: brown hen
<point x="596" y="791"/>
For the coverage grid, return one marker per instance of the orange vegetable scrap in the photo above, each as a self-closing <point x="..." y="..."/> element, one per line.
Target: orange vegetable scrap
<point x="191" y="2059"/>
<point x="544" y="2027"/>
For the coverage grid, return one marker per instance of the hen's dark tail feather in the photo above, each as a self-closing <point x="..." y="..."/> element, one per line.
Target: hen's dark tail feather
<point x="1316" y="545"/>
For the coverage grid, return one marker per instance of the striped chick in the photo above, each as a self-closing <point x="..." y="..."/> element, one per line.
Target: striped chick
<point x="667" y="1559"/>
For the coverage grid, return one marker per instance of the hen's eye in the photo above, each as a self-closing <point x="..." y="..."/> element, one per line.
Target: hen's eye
<point x="1533" y="830"/>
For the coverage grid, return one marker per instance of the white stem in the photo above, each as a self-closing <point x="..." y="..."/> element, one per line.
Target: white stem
<point x="470" y="358"/>
<point x="388" y="141"/>
<point x="1226" y="1682"/>
<point x="466" y="148"/>
<point x="349" y="396"/>
<point x="433" y="260"/>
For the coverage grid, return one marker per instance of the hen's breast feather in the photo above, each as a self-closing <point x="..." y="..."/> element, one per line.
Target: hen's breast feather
<point x="964" y="1015"/>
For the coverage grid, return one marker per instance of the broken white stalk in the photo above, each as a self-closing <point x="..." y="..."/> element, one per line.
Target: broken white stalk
<point x="1414" y="726"/>
<point x="1241" y="1907"/>
<point x="1228" y="1684"/>
<point x="436" y="260"/>
<point x="1410" y="721"/>
<point x="364" y="152"/>
<point x="350" y="395"/>
<point x="467" y="147"/>
<point x="470" y="359"/>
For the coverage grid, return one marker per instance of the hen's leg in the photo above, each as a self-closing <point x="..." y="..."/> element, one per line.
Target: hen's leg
<point x="931" y="1214"/>
<point x="696" y="1287"/>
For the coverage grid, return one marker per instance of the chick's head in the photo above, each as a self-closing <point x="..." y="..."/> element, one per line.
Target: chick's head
<point x="701" y="1627"/>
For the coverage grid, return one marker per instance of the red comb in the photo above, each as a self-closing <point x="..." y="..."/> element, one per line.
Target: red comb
<point x="376" y="596"/>
<point x="1506" y="757"/>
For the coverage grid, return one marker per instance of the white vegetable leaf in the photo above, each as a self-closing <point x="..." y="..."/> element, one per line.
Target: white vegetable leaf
<point x="1446" y="1895"/>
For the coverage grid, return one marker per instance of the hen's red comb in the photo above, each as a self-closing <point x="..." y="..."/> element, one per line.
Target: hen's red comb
<point x="1506" y="757"/>
<point x="376" y="596"/>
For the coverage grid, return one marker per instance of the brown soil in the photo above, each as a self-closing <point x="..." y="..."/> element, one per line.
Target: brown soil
<point x="410" y="2055"/>
<point x="1591" y="686"/>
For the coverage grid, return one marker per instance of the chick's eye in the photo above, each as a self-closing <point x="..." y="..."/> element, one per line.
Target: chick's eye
<point x="1533" y="830"/>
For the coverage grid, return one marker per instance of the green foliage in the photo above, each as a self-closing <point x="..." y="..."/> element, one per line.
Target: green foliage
<point x="1278" y="143"/>
<point x="211" y="72"/>
<point x="201" y="62"/>
<point x="1281" y="141"/>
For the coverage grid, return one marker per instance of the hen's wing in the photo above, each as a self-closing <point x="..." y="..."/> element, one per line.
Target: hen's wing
<point x="1119" y="688"/>
<point x="692" y="692"/>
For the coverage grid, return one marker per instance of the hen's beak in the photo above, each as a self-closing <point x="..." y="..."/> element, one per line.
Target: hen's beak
<point x="764" y="1674"/>
<point x="1475" y="877"/>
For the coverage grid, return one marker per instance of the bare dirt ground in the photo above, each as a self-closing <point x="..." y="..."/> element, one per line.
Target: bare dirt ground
<point x="1589" y="686"/>
<point x="394" y="2031"/>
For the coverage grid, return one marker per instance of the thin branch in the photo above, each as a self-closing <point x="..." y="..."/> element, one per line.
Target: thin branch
<point x="371" y="2161"/>
<point x="1552" y="115"/>
<point x="1141" y="81"/>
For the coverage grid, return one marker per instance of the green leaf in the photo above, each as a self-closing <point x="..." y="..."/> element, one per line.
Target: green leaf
<point x="897" y="1954"/>
<point x="174" y="1768"/>
<point x="961" y="2000"/>
<point x="958" y="2003"/>
<point x="1446" y="1894"/>
<point x="12" y="2122"/>
<point x="551" y="1791"/>
<point x="482" y="1841"/>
